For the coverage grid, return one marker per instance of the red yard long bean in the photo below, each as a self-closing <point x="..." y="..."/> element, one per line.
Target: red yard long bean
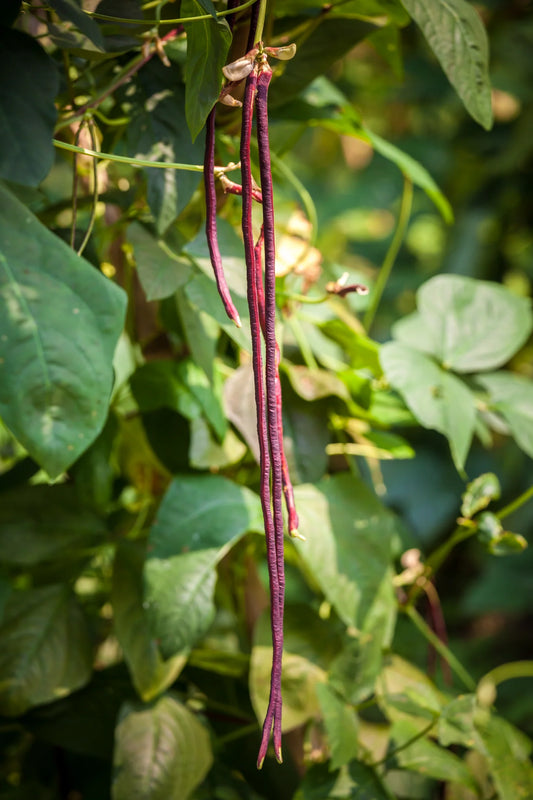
<point x="274" y="474"/>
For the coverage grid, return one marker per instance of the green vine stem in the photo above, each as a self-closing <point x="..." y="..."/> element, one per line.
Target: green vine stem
<point x="179" y="20"/>
<point x="137" y="162"/>
<point x="94" y="202"/>
<point x="515" y="504"/>
<point x="392" y="253"/>
<point x="260" y="21"/>
<point x="486" y="688"/>
<point x="440" y="647"/>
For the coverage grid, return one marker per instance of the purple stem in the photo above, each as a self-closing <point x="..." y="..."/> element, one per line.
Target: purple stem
<point x="211" y="220"/>
<point x="261" y="106"/>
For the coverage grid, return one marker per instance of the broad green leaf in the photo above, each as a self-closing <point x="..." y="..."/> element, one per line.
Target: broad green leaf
<point x="169" y="435"/>
<point x="427" y="758"/>
<point x="202" y="294"/>
<point x="158" y="132"/>
<point x="231" y="250"/>
<point x="512" y="396"/>
<point x="506" y="749"/>
<point x="160" y="270"/>
<point x="456" y="34"/>
<point x="201" y="331"/>
<point x="150" y="674"/>
<point x="315" y="384"/>
<point x="45" y="649"/>
<point x="341" y="726"/>
<point x="405" y="692"/>
<point x="181" y="386"/>
<point x="305" y="436"/>
<point x="348" y="549"/>
<point x="70" y="10"/>
<point x="162" y="751"/>
<point x="45" y="524"/>
<point x="467" y="324"/>
<point x="357" y="782"/>
<point x="199" y="519"/>
<point x="239" y="405"/>
<point x="438" y="400"/>
<point x="362" y="351"/>
<point x="208" y="43"/>
<point x="29" y="83"/>
<point x="55" y="357"/>
<point x="480" y="493"/>
<point x="207" y="452"/>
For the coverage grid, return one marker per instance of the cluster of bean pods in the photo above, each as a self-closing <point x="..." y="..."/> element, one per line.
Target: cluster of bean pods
<point x="261" y="285"/>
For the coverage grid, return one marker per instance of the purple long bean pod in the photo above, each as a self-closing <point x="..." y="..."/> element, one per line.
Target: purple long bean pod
<point x="262" y="430"/>
<point x="261" y="107"/>
<point x="211" y="220"/>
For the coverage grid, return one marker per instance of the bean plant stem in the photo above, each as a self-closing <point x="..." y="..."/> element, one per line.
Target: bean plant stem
<point x="515" y="504"/>
<point x="392" y="253"/>
<point x="260" y="21"/>
<point x="440" y="647"/>
<point x="198" y="18"/>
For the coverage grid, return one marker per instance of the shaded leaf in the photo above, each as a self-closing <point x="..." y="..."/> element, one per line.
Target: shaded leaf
<point x="208" y="43"/>
<point x="466" y="324"/>
<point x="45" y="523"/>
<point x="348" y="549"/>
<point x="151" y="675"/>
<point x="199" y="519"/>
<point x="438" y="399"/>
<point x="341" y="726"/>
<point x="29" y="83"/>
<point x="45" y="650"/>
<point x="162" y="751"/>
<point x="499" y="542"/>
<point x="70" y="10"/>
<point x="157" y="132"/>
<point x="54" y="386"/>
<point x="427" y="758"/>
<point x="512" y="396"/>
<point x="160" y="270"/>
<point x="456" y="35"/>
<point x="358" y="782"/>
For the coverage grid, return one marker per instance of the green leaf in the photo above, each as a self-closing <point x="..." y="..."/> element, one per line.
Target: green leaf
<point x="480" y="493"/>
<point x="162" y="751"/>
<point x="498" y="541"/>
<point x="29" y="83"/>
<point x="55" y="357"/>
<point x="341" y="726"/>
<point x="150" y="674"/>
<point x="467" y="324"/>
<point x="506" y="749"/>
<point x="405" y="692"/>
<point x="315" y="384"/>
<point x="70" y="10"/>
<point x="206" y="452"/>
<point x="45" y="524"/>
<point x="208" y="43"/>
<point x="45" y="650"/>
<point x="438" y="400"/>
<point x="160" y="270"/>
<point x="512" y="396"/>
<point x="202" y="294"/>
<point x="157" y="132"/>
<point x="348" y="549"/>
<point x="199" y="519"/>
<point x="357" y="782"/>
<point x="456" y="34"/>
<point x="201" y="331"/>
<point x="427" y="758"/>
